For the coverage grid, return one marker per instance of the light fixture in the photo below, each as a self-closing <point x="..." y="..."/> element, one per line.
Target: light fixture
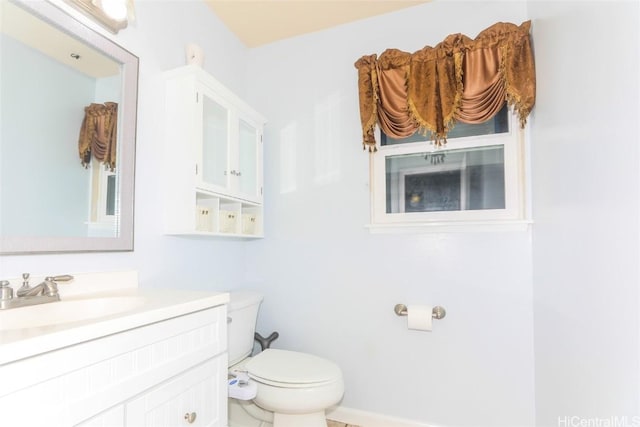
<point x="111" y="14"/>
<point x="115" y="9"/>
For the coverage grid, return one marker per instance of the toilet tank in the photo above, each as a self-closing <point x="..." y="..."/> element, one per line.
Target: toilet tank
<point x="242" y="313"/>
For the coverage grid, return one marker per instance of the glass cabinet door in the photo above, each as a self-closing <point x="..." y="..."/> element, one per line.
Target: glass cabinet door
<point x="215" y="144"/>
<point x="248" y="154"/>
<point x="230" y="155"/>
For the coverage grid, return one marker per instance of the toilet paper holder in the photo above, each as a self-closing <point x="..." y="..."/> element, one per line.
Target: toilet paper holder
<point x="437" y="313"/>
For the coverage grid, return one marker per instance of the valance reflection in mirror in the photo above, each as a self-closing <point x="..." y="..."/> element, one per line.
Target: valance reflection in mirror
<point x="68" y="115"/>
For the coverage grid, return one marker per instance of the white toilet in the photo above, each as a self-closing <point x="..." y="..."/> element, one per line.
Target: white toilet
<point x="276" y="387"/>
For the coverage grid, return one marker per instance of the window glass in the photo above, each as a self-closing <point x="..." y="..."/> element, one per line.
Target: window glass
<point x="111" y="195"/>
<point x="498" y="124"/>
<point x="446" y="180"/>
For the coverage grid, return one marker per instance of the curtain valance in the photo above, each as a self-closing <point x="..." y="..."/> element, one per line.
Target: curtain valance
<point x="98" y="134"/>
<point x="459" y="79"/>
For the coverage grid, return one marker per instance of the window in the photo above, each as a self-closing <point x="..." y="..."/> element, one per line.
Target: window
<point x="103" y="209"/>
<point x="476" y="178"/>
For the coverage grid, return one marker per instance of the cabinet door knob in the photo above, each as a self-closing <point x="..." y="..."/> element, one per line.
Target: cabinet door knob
<point x="190" y="417"/>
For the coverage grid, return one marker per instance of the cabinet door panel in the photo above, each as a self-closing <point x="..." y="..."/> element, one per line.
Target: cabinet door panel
<point x="248" y="155"/>
<point x="199" y="393"/>
<point x="113" y="417"/>
<point x="215" y="137"/>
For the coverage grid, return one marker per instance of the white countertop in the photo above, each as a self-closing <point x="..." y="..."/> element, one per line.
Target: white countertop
<point x="156" y="305"/>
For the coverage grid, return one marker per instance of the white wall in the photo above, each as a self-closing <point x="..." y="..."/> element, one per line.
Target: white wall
<point x="158" y="37"/>
<point x="331" y="286"/>
<point x="585" y="240"/>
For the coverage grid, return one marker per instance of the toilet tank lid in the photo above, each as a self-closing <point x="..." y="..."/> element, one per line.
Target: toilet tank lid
<point x="242" y="299"/>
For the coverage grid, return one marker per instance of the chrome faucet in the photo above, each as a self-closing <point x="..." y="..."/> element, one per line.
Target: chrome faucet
<point x="45" y="292"/>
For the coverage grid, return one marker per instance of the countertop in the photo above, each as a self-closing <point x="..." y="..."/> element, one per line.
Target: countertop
<point x="155" y="305"/>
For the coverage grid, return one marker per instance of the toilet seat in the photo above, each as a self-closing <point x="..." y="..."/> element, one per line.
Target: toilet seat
<point x="291" y="369"/>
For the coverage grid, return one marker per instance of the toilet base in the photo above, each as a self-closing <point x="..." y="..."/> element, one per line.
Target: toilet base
<point x="248" y="414"/>
<point x="315" y="419"/>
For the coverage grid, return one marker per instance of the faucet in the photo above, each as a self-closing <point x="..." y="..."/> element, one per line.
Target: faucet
<point x="47" y="291"/>
<point x="49" y="287"/>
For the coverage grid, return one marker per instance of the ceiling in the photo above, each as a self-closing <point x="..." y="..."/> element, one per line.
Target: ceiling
<point x="258" y="22"/>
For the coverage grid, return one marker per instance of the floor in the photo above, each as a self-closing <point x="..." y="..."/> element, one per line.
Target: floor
<point x="337" y="424"/>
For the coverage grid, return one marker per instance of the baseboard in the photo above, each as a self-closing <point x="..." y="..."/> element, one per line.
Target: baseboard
<point x="369" y="419"/>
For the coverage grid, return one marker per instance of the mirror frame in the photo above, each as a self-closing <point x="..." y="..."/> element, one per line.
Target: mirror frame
<point x="126" y="145"/>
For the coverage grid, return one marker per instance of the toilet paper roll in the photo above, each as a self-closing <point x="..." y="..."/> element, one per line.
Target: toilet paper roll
<point x="419" y="317"/>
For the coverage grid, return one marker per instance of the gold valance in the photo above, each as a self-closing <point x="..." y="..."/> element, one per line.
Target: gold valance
<point x="98" y="134"/>
<point x="459" y="79"/>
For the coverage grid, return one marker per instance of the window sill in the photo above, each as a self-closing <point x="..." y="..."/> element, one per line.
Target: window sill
<point x="450" y="227"/>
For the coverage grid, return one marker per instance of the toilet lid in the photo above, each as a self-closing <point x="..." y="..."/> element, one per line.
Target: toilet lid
<point x="291" y="367"/>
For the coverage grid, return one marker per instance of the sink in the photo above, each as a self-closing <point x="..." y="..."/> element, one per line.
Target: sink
<point x="66" y="311"/>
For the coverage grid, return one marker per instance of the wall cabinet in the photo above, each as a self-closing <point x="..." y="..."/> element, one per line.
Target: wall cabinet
<point x="213" y="150"/>
<point x="164" y="374"/>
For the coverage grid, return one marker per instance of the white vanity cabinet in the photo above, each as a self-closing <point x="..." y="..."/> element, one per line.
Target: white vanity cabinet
<point x="213" y="150"/>
<point x="168" y="373"/>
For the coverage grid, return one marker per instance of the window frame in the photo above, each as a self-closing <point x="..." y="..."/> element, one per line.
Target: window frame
<point x="515" y="213"/>
<point x="99" y="220"/>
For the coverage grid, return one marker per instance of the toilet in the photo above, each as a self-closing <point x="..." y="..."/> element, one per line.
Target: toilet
<point x="275" y="387"/>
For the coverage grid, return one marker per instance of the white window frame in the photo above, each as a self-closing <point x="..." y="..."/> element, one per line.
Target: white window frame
<point x="515" y="215"/>
<point x="101" y="224"/>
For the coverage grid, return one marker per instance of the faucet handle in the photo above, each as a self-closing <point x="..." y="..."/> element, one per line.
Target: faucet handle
<point x="6" y="291"/>
<point x="61" y="278"/>
<point x="25" y="284"/>
<point x="51" y="283"/>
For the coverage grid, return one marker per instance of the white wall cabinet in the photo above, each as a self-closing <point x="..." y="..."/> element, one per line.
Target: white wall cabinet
<point x="213" y="150"/>
<point x="154" y="375"/>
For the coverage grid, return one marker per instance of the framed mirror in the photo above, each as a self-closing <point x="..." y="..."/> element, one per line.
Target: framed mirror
<point x="68" y="99"/>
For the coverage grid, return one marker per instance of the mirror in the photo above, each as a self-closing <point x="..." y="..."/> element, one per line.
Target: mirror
<point x="52" y="68"/>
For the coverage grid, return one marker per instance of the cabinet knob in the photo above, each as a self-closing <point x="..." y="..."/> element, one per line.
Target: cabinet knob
<point x="190" y="417"/>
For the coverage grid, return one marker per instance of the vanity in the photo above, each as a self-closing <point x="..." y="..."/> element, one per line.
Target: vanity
<point x="112" y="354"/>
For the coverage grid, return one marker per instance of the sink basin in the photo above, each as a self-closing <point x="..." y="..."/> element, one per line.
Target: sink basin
<point x="56" y="313"/>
